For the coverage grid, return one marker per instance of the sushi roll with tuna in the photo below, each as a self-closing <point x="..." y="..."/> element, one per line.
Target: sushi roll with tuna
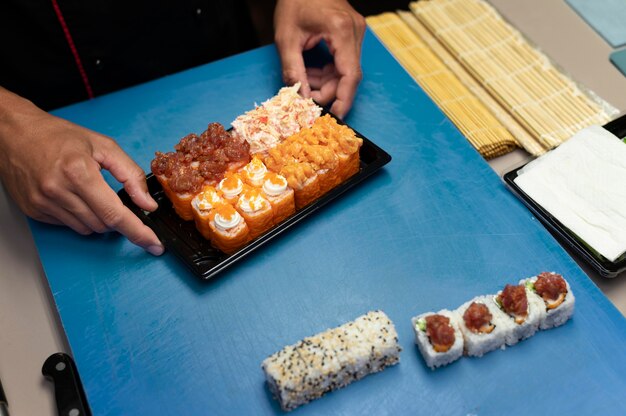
<point x="332" y="359"/>
<point x="556" y="295"/>
<point x="524" y="311"/>
<point x="438" y="337"/>
<point x="484" y="326"/>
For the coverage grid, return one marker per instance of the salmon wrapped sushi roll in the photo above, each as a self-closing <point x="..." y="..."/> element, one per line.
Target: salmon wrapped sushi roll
<point x="280" y="196"/>
<point x="254" y="172"/>
<point x="556" y="296"/>
<point x="304" y="181"/>
<point x="202" y="205"/>
<point x="231" y="188"/>
<point x="229" y="231"/>
<point x="325" y="161"/>
<point x="256" y="211"/>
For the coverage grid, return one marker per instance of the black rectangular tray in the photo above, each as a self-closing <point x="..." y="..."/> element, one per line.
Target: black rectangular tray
<point x="205" y="261"/>
<point x="603" y="266"/>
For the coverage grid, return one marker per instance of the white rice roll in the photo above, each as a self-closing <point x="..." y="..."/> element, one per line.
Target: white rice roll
<point x="432" y="357"/>
<point x="332" y="359"/>
<point x="478" y="344"/>
<point x="556" y="316"/>
<point x="526" y="329"/>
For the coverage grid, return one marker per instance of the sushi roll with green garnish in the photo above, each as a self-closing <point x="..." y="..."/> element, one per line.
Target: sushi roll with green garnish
<point x="438" y="337"/>
<point x="556" y="295"/>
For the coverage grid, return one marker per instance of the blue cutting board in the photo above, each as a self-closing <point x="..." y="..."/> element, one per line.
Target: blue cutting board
<point x="431" y="230"/>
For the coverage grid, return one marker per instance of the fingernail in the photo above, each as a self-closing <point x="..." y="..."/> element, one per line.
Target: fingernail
<point x="152" y="201"/>
<point x="156" y="249"/>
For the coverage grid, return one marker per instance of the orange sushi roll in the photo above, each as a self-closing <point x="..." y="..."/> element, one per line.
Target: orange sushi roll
<point x="184" y="183"/>
<point x="231" y="187"/>
<point x="304" y="181"/>
<point x="256" y="210"/>
<point x="202" y="205"/>
<point x="280" y="196"/>
<point x="254" y="172"/>
<point x="229" y="230"/>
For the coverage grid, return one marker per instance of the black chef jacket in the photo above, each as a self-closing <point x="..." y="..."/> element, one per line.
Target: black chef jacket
<point x="116" y="43"/>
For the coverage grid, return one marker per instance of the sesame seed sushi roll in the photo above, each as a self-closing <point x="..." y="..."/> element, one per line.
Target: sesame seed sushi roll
<point x="555" y="294"/>
<point x="524" y="311"/>
<point x="332" y="359"/>
<point x="231" y="188"/>
<point x="202" y="205"/>
<point x="256" y="210"/>
<point x="280" y="196"/>
<point x="484" y="326"/>
<point x="229" y="231"/>
<point x="254" y="172"/>
<point x="438" y="337"/>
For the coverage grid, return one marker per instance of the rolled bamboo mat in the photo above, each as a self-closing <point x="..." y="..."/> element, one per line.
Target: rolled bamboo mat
<point x="549" y="106"/>
<point x="525" y="139"/>
<point x="481" y="128"/>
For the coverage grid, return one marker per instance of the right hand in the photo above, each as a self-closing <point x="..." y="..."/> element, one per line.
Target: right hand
<point x="51" y="168"/>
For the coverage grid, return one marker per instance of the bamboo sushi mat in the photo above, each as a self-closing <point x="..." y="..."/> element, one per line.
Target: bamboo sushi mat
<point x="495" y="87"/>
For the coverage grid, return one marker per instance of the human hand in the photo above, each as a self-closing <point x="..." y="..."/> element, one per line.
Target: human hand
<point x="51" y="168"/>
<point x="302" y="24"/>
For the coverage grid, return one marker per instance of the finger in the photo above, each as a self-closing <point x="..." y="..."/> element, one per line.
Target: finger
<point x="292" y="62"/>
<point x="128" y="173"/>
<point x="57" y="215"/>
<point x="348" y="67"/>
<point x="327" y="92"/>
<point x="109" y="208"/>
<point x="76" y="207"/>
<point x="321" y="76"/>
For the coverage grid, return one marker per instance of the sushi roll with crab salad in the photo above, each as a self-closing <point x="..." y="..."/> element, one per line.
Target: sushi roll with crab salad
<point x="523" y="310"/>
<point x="484" y="326"/>
<point x="332" y="359"/>
<point x="555" y="294"/>
<point x="438" y="337"/>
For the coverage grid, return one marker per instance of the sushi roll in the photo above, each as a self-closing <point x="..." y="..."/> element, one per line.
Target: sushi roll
<point x="484" y="326"/>
<point x="555" y="294"/>
<point x="523" y="310"/>
<point x="304" y="181"/>
<point x="256" y="210"/>
<point x="332" y="359"/>
<point x="280" y="197"/>
<point x="438" y="337"/>
<point x="231" y="188"/>
<point x="229" y="231"/>
<point x="202" y="205"/>
<point x="254" y="172"/>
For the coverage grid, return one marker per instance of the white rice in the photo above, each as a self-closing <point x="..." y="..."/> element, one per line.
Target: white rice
<point x="557" y="316"/>
<point x="478" y="344"/>
<point x="433" y="358"/>
<point x="332" y="359"/>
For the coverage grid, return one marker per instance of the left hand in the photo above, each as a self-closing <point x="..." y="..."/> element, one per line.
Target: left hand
<point x="302" y="24"/>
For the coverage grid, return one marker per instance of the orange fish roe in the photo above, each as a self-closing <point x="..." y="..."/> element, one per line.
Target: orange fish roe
<point x="226" y="211"/>
<point x="231" y="182"/>
<point x="275" y="179"/>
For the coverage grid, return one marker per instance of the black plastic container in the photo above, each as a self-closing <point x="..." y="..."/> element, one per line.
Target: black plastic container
<point x="204" y="260"/>
<point x="603" y="266"/>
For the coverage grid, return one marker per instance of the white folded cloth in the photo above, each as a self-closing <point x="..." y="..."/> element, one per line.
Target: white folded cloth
<point x="582" y="183"/>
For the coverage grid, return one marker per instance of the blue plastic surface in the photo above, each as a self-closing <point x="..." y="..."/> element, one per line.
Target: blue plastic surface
<point x="431" y="230"/>
<point x="618" y="58"/>
<point x="606" y="17"/>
